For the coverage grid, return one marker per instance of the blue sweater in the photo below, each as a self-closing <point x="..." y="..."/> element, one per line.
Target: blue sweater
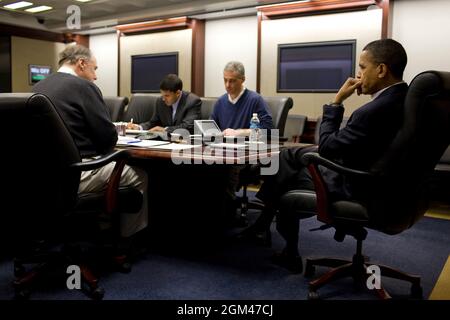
<point x="237" y="116"/>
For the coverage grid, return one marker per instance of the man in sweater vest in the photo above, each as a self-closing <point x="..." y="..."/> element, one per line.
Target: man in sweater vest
<point x="232" y="113"/>
<point x="233" y="110"/>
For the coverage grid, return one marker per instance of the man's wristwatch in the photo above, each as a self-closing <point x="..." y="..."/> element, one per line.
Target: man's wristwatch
<point x="334" y="104"/>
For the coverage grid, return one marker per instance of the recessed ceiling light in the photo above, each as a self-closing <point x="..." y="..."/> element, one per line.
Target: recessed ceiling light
<point x="38" y="9"/>
<point x="83" y="0"/>
<point x="18" y="5"/>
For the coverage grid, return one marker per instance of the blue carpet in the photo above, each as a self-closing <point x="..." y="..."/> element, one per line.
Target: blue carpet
<point x="235" y="271"/>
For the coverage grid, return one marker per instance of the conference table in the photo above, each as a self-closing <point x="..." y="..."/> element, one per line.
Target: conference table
<point x="187" y="193"/>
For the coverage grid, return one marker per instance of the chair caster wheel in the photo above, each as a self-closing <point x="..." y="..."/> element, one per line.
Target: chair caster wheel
<point x="19" y="271"/>
<point x="313" y="295"/>
<point x="124" y="267"/>
<point x="97" y="293"/>
<point x="416" y="292"/>
<point x="309" y="270"/>
<point x="23" y="294"/>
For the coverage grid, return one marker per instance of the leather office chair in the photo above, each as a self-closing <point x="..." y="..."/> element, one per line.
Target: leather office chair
<point x="207" y="107"/>
<point x="279" y="108"/>
<point x="141" y="108"/>
<point x="42" y="167"/>
<point x="295" y="126"/>
<point x="396" y="185"/>
<point x="441" y="178"/>
<point x="116" y="107"/>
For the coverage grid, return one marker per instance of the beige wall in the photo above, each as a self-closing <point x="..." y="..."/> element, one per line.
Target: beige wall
<point x="423" y="27"/>
<point x="171" y="41"/>
<point x="364" y="26"/>
<point x="225" y="40"/>
<point x="104" y="47"/>
<point x="26" y="51"/>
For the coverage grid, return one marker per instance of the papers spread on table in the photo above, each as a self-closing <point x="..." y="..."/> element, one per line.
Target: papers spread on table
<point x="152" y="144"/>
<point x="227" y="145"/>
<point x="133" y="142"/>
<point x="174" y="146"/>
<point x="130" y="131"/>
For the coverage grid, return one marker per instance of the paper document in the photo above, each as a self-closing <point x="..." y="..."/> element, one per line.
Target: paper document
<point x="130" y="131"/>
<point x="174" y="146"/>
<point x="133" y="142"/>
<point x="227" y="145"/>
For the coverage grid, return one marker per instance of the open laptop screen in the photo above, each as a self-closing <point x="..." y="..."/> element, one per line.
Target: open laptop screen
<point x="207" y="127"/>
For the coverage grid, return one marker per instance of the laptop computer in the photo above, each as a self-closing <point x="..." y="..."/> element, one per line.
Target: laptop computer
<point x="207" y="128"/>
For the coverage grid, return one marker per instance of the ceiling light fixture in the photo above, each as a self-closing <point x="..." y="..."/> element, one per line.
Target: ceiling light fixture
<point x="18" y="5"/>
<point x="39" y="9"/>
<point x="83" y="0"/>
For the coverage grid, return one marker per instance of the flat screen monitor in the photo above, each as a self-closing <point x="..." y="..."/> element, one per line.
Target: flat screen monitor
<point x="315" y="66"/>
<point x="148" y="70"/>
<point x="38" y="73"/>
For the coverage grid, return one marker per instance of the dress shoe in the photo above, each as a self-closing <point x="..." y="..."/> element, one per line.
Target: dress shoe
<point x="291" y="262"/>
<point x="259" y="237"/>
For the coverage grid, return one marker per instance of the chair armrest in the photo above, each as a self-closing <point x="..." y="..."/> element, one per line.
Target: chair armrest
<point x="102" y="161"/>
<point x="111" y="192"/>
<point x="314" y="158"/>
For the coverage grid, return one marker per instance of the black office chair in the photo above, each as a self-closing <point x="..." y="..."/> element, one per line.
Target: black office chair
<point x="45" y="214"/>
<point x="396" y="185"/>
<point x="116" y="107"/>
<point x="141" y="107"/>
<point x="441" y="178"/>
<point x="279" y="108"/>
<point x="207" y="107"/>
<point x="295" y="126"/>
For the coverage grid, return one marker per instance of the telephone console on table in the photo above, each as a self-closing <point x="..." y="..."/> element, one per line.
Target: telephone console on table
<point x="148" y="136"/>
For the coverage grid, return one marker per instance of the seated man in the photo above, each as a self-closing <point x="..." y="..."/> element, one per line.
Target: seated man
<point x="176" y="109"/>
<point x="367" y="135"/>
<point x="233" y="112"/>
<point x="80" y="103"/>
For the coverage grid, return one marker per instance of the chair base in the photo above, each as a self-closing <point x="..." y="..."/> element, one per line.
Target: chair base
<point x="29" y="270"/>
<point x="25" y="281"/>
<point x="357" y="269"/>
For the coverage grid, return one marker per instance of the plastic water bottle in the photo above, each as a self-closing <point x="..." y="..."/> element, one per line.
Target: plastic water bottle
<point x="254" y="127"/>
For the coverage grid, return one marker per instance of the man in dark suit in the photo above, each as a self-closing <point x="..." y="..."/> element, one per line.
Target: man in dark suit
<point x="176" y="109"/>
<point x="364" y="139"/>
<point x="80" y="103"/>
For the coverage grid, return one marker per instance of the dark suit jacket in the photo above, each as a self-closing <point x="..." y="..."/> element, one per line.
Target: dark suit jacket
<point x="188" y="110"/>
<point x="80" y="104"/>
<point x="365" y="138"/>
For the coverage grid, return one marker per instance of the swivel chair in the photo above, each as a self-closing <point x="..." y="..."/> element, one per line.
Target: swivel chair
<point x="42" y="168"/>
<point x="141" y="107"/>
<point x="116" y="106"/>
<point x="396" y="185"/>
<point x="207" y="107"/>
<point x="279" y="108"/>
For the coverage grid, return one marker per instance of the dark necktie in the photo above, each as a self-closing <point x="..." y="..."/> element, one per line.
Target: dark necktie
<point x="172" y="115"/>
